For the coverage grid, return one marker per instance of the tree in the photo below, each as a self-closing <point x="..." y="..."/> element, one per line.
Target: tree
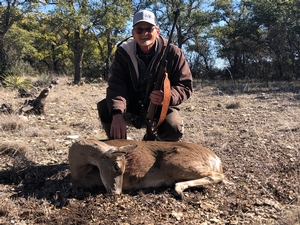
<point x="12" y="11"/>
<point x="53" y="52"/>
<point x="72" y="19"/>
<point x="83" y="22"/>
<point x="18" y="45"/>
<point x="258" y="38"/>
<point x="109" y="19"/>
<point x="9" y="14"/>
<point x="279" y="21"/>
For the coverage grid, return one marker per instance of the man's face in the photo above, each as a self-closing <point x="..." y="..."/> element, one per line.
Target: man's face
<point x="145" y="34"/>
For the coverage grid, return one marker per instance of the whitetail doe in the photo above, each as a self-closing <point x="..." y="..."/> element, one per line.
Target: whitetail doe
<point x="126" y="164"/>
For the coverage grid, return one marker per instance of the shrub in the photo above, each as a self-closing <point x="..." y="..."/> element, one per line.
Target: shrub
<point x="13" y="81"/>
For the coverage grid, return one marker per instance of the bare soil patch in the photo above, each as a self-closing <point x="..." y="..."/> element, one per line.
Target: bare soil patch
<point x="256" y="135"/>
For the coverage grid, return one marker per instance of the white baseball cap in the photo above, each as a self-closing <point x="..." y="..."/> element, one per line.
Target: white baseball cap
<point x="144" y="16"/>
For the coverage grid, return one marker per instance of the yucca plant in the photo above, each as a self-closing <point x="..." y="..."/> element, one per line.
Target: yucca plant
<point x="12" y="81"/>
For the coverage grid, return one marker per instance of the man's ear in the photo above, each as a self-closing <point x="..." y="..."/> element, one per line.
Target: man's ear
<point x="158" y="30"/>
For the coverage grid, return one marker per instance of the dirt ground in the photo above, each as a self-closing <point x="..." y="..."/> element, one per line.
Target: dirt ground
<point x="255" y="131"/>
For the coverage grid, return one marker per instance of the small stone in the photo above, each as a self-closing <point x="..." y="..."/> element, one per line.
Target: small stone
<point x="177" y="215"/>
<point x="73" y="136"/>
<point x="214" y="220"/>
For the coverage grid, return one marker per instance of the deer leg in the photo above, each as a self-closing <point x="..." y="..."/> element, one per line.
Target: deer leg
<point x="211" y="178"/>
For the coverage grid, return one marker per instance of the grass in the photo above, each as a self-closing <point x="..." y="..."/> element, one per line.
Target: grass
<point x="254" y="130"/>
<point x="248" y="86"/>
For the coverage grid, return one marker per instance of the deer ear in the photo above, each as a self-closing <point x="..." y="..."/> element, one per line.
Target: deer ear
<point x="127" y="148"/>
<point x="123" y="150"/>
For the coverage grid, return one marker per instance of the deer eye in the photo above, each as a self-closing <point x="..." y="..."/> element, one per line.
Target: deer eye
<point x="117" y="168"/>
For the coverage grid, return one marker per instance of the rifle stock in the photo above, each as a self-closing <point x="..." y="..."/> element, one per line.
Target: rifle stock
<point x="158" y="86"/>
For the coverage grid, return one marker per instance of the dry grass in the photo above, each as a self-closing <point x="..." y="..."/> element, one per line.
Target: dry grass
<point x="254" y="129"/>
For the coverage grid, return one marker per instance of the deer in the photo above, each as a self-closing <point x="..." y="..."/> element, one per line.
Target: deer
<point x="121" y="164"/>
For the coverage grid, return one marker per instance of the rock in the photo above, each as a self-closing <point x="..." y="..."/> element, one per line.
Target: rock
<point x="72" y="136"/>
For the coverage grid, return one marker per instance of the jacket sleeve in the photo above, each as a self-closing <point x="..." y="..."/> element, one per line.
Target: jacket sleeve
<point x="180" y="76"/>
<point x="116" y="93"/>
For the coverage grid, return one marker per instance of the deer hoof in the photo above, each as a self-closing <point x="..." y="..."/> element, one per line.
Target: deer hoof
<point x="179" y="191"/>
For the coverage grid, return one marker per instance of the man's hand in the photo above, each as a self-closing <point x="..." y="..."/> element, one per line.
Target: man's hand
<point x="118" y="127"/>
<point x="157" y="97"/>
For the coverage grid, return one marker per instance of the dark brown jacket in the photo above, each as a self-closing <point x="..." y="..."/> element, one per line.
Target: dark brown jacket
<point x="124" y="91"/>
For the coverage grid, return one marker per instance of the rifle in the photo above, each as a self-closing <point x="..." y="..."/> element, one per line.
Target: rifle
<point x="161" y="82"/>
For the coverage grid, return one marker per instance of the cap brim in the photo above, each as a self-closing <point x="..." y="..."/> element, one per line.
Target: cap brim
<point x="146" y="21"/>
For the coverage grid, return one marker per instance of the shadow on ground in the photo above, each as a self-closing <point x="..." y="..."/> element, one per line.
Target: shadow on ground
<point x="54" y="183"/>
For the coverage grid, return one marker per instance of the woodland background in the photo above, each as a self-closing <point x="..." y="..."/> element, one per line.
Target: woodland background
<point x="222" y="39"/>
<point x="244" y="56"/>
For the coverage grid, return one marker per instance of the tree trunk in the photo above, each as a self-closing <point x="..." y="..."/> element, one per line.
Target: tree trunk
<point x="3" y="61"/>
<point x="180" y="37"/>
<point x="109" y="55"/>
<point x="11" y="14"/>
<point x="78" y="55"/>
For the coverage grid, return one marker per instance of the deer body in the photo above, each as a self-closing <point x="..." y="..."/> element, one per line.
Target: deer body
<point x="147" y="164"/>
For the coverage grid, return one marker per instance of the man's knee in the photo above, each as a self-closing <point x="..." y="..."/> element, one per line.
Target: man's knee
<point x="103" y="111"/>
<point x="169" y="133"/>
<point x="104" y="116"/>
<point x="172" y="128"/>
